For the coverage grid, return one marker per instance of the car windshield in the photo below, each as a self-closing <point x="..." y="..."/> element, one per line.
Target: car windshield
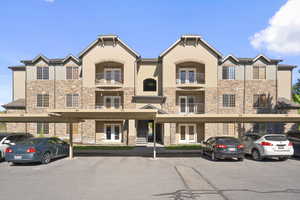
<point x="1" y="137"/>
<point x="31" y="141"/>
<point x="276" y="138"/>
<point x="228" y="141"/>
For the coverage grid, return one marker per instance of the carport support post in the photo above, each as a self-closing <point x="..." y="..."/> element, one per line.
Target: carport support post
<point x="71" y="140"/>
<point x="154" y="139"/>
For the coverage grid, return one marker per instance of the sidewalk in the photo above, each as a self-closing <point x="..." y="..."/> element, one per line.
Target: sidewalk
<point x="140" y="152"/>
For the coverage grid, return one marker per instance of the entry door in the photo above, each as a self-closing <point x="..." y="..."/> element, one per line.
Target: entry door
<point x="187" y="133"/>
<point x="112" y="132"/>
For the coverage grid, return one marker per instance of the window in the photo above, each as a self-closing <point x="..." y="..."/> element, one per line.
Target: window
<point x="187" y="75"/>
<point x="42" y="73"/>
<point x="112" y="101"/>
<point x="149" y="84"/>
<point x="42" y="128"/>
<point x="113" y="132"/>
<point x="260" y="101"/>
<point x="72" y="100"/>
<point x="74" y="127"/>
<point x="42" y="100"/>
<point x="260" y="128"/>
<point x="187" y="133"/>
<point x="229" y="129"/>
<point x="228" y="73"/>
<point x="112" y="75"/>
<point x="187" y="104"/>
<point x="228" y="100"/>
<point x="72" y="73"/>
<point x="259" y="72"/>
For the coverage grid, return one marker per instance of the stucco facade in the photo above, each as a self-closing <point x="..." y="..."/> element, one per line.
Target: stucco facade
<point x="187" y="78"/>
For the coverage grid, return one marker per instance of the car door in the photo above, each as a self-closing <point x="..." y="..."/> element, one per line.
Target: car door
<point x="52" y="147"/>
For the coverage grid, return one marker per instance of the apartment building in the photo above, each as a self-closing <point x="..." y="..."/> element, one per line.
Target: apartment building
<point x="189" y="78"/>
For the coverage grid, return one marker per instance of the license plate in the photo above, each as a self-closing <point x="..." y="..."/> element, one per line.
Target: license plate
<point x="18" y="157"/>
<point x="232" y="149"/>
<point x="280" y="147"/>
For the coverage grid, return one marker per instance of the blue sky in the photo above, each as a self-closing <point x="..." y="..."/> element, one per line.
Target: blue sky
<point x="59" y="27"/>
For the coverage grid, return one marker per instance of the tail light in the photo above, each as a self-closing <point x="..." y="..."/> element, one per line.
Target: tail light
<point x="290" y="144"/>
<point x="240" y="146"/>
<point x="31" y="150"/>
<point x="266" y="144"/>
<point x="221" y="146"/>
<point x="8" y="150"/>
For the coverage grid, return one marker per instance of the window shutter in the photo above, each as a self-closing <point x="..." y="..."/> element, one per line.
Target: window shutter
<point x="225" y="73"/>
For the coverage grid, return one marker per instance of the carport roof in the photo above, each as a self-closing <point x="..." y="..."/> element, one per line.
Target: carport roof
<point x="43" y="117"/>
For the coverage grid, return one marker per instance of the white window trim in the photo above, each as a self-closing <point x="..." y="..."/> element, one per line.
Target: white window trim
<point x="187" y="70"/>
<point x="187" y="139"/>
<point x="186" y="106"/>
<point x="113" y="70"/>
<point x="112" y="101"/>
<point x="113" y="133"/>
<point x="233" y="67"/>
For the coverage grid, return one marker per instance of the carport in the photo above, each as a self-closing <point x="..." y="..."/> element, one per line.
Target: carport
<point x="79" y="115"/>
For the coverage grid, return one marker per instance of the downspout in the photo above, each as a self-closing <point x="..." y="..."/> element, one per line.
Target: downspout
<point x="218" y="66"/>
<point x="26" y="124"/>
<point x="244" y="98"/>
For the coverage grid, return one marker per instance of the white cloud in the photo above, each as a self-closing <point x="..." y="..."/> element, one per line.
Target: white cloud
<point x="282" y="35"/>
<point x="50" y="1"/>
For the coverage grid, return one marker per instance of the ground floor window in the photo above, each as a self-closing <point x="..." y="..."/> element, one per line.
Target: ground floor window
<point x="42" y="128"/>
<point x="260" y="128"/>
<point x="229" y="129"/>
<point x="113" y="132"/>
<point x="187" y="133"/>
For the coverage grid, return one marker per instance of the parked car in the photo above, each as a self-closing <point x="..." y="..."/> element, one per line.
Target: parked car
<point x="294" y="137"/>
<point x="269" y="145"/>
<point x="223" y="147"/>
<point x="9" y="139"/>
<point x="41" y="150"/>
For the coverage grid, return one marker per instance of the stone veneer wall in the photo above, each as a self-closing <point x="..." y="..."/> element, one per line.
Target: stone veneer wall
<point x="16" y="127"/>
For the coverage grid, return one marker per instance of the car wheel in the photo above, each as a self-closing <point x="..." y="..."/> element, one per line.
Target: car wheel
<point x="46" y="158"/>
<point x="213" y="156"/>
<point x="256" y="155"/>
<point x="282" y="158"/>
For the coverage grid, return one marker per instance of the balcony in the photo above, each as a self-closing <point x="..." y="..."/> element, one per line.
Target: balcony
<point x="116" y="106"/>
<point x="109" y="79"/>
<point x="191" y="108"/>
<point x="190" y="79"/>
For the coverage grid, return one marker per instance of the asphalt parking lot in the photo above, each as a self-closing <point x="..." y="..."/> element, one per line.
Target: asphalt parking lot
<point x="143" y="178"/>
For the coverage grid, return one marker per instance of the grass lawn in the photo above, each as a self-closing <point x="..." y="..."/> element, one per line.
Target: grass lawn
<point x="94" y="147"/>
<point x="184" y="147"/>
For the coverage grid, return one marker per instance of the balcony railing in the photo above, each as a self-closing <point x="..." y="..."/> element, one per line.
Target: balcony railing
<point x="192" y="78"/>
<point x="109" y="79"/>
<point x="196" y="108"/>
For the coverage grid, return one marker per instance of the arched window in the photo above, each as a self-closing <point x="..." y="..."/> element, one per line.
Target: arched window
<point x="149" y="84"/>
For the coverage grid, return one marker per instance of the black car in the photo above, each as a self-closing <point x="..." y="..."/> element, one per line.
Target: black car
<point x="223" y="148"/>
<point x="41" y="150"/>
<point x="294" y="138"/>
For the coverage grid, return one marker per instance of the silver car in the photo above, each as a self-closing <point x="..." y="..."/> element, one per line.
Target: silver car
<point x="270" y="145"/>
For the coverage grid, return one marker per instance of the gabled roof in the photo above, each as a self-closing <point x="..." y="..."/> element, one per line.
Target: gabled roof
<point x="115" y="38"/>
<point x="17" y="104"/>
<point x="51" y="61"/>
<point x="228" y="57"/>
<point x="71" y="57"/>
<point x="198" y="38"/>
<point x="261" y="56"/>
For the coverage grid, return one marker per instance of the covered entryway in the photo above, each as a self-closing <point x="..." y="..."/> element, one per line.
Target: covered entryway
<point x="145" y="132"/>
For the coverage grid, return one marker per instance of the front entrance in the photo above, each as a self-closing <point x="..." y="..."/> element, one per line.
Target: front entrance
<point x="145" y="131"/>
